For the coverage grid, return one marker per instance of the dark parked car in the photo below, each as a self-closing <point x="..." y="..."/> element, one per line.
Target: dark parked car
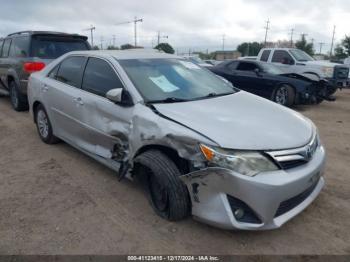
<point x="23" y="53"/>
<point x="270" y="82"/>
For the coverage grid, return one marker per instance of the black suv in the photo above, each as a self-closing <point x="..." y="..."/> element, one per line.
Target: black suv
<point x="26" y="52"/>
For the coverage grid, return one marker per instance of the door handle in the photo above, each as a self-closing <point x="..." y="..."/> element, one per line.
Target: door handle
<point x="78" y="101"/>
<point x="44" y="88"/>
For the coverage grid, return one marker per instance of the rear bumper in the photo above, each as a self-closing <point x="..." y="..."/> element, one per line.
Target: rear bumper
<point x="273" y="197"/>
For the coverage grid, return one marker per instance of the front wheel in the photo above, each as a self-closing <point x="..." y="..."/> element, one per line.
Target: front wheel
<point x="44" y="126"/>
<point x="284" y="95"/>
<point x="167" y="193"/>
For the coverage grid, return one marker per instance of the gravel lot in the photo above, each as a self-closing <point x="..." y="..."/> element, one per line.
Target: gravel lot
<point x="55" y="200"/>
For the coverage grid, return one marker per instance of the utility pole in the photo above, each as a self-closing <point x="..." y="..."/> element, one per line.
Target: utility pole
<point x="101" y="40"/>
<point x="331" y="52"/>
<point x="113" y="40"/>
<point x="267" y="28"/>
<point x="135" y="21"/>
<point x="321" y="45"/>
<point x="91" y="29"/>
<point x="303" y="35"/>
<point x="223" y="42"/>
<point x="291" y="37"/>
<point x="159" y="37"/>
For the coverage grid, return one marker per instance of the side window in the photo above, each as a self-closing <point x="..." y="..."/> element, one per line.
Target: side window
<point x="265" y="55"/>
<point x="1" y="43"/>
<point x="282" y="56"/>
<point x="232" y="66"/>
<point x="99" y="77"/>
<point x="245" y="66"/>
<point x="6" y="48"/>
<point x="19" y="47"/>
<point x="53" y="72"/>
<point x="71" y="70"/>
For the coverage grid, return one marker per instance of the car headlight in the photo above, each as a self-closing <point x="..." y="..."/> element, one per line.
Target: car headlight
<point x="328" y="71"/>
<point x="248" y="163"/>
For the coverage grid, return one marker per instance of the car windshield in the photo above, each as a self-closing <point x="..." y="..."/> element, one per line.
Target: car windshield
<point x="51" y="47"/>
<point x="300" y="56"/>
<point x="271" y="69"/>
<point x="174" y="80"/>
<point x="196" y="60"/>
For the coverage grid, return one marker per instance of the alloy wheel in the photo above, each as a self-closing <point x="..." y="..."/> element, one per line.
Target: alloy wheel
<point x="281" y="96"/>
<point x="43" y="123"/>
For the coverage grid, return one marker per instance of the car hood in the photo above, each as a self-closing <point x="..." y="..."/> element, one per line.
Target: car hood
<point x="320" y="63"/>
<point x="242" y="121"/>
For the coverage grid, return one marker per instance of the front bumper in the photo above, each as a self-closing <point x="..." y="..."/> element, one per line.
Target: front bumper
<point x="265" y="194"/>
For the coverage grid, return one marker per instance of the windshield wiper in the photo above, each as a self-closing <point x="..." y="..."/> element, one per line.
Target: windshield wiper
<point x="169" y="100"/>
<point x="210" y="95"/>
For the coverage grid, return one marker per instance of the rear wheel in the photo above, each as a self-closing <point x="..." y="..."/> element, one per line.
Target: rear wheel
<point x="160" y="177"/>
<point x="44" y="126"/>
<point x="284" y="95"/>
<point x="19" y="101"/>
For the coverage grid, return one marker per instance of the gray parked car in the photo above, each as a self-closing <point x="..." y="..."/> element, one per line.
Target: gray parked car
<point x="26" y="52"/>
<point x="198" y="145"/>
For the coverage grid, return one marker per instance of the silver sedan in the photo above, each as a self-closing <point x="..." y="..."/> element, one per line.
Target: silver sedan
<point x="197" y="144"/>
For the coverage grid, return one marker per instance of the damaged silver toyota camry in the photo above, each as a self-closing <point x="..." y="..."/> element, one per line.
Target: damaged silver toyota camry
<point x="197" y="144"/>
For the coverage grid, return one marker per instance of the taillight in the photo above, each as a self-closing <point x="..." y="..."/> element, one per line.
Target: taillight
<point x="31" y="67"/>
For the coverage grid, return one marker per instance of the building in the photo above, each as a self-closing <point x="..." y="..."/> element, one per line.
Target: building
<point x="224" y="55"/>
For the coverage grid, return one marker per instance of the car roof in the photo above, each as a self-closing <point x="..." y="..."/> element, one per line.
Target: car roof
<point x="45" y="33"/>
<point x="126" y="54"/>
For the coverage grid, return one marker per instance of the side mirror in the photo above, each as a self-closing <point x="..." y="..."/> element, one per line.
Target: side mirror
<point x="119" y="96"/>
<point x="115" y="95"/>
<point x="257" y="71"/>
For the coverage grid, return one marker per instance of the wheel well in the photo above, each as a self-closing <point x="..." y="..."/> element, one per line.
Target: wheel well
<point x="9" y="80"/>
<point x="35" y="106"/>
<point x="181" y="163"/>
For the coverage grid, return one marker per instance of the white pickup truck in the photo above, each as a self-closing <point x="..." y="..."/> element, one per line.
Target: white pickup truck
<point x="292" y="60"/>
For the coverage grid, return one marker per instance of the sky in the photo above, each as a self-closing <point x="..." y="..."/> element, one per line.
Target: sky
<point x="189" y="24"/>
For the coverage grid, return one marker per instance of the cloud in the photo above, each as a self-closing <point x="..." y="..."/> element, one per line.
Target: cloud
<point x="195" y="24"/>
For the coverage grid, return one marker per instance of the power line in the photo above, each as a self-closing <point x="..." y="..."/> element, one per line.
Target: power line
<point x="91" y="29"/>
<point x="267" y="28"/>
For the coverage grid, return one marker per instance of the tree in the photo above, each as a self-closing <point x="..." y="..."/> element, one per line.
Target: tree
<point x="126" y="46"/>
<point x="95" y="47"/>
<point x="302" y="44"/>
<point x="165" y="47"/>
<point x="250" y="49"/>
<point x="112" y="47"/>
<point x="339" y="52"/>
<point x="346" y="44"/>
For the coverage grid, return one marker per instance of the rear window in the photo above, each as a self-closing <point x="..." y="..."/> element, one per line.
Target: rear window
<point x="265" y="55"/>
<point x="19" y="47"/>
<point x="53" y="47"/>
<point x="6" y="48"/>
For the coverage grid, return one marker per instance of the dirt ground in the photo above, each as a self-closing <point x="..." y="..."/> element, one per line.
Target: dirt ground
<point x="55" y="200"/>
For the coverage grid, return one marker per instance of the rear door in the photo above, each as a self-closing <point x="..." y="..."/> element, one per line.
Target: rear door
<point x="63" y="100"/>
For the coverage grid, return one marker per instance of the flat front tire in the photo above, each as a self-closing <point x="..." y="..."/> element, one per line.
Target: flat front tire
<point x="160" y="177"/>
<point x="44" y="126"/>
